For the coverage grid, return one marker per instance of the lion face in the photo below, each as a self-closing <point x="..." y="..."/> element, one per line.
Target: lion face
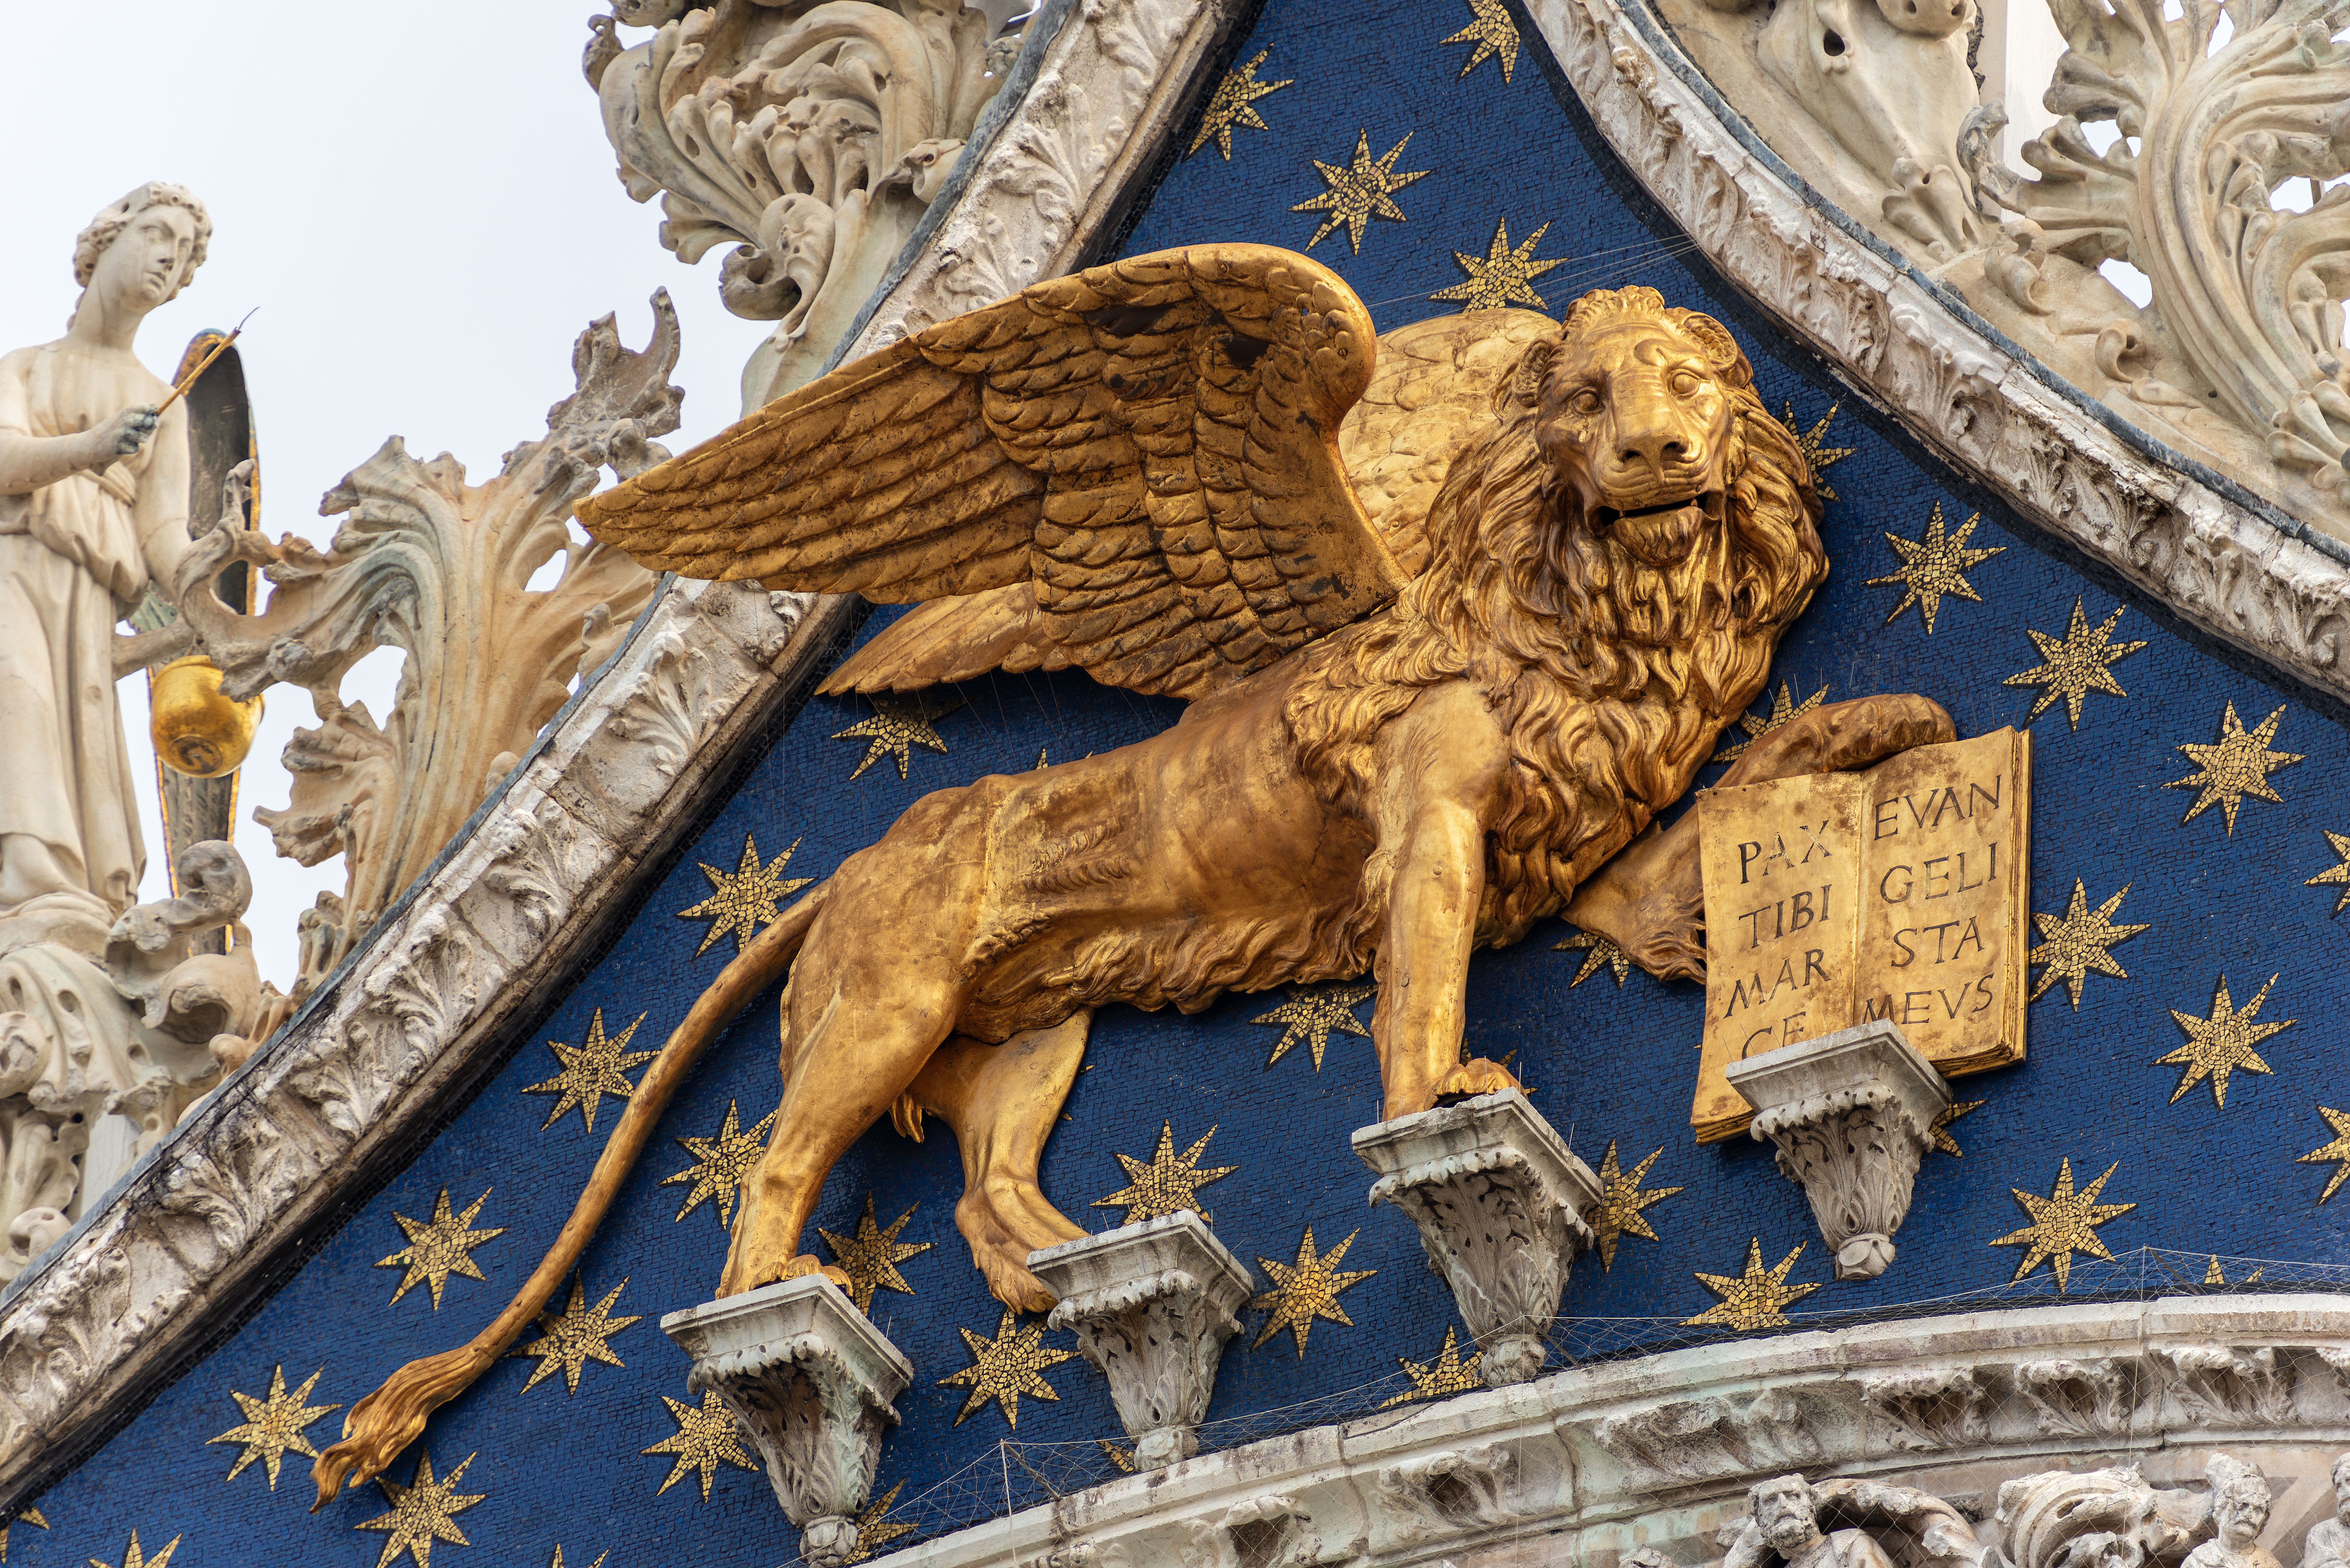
<point x="1636" y="410"/>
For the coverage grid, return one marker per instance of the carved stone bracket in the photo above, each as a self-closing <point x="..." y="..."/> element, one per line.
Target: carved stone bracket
<point x="1499" y="1200"/>
<point x="1852" y="1114"/>
<point x="1151" y="1306"/>
<point x="811" y="1382"/>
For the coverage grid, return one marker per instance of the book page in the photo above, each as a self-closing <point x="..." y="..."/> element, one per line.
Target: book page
<point x="1941" y="940"/>
<point x="1783" y="863"/>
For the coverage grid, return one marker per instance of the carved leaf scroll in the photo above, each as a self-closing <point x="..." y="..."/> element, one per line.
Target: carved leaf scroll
<point x="441" y="569"/>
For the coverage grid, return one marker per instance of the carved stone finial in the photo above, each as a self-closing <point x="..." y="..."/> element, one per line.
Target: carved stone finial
<point x="1852" y="1114"/>
<point x="1151" y="1306"/>
<point x="811" y="1382"/>
<point x="1499" y="1202"/>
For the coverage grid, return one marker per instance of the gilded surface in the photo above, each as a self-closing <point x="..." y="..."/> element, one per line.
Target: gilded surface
<point x="1306" y="1289"/>
<point x="2074" y="665"/>
<point x="2064" y="1223"/>
<point x="2238" y="764"/>
<point x="2223" y="1042"/>
<point x="1756" y="1297"/>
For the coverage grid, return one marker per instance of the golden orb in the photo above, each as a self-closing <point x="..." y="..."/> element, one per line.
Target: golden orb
<point x="197" y="730"/>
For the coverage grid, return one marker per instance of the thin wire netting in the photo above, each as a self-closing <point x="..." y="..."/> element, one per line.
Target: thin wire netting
<point x="1016" y="1475"/>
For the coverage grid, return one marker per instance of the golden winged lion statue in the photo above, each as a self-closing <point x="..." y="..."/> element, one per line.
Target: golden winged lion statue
<point x="1457" y="611"/>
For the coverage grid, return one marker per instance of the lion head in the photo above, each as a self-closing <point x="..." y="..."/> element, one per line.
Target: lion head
<point x="1612" y="559"/>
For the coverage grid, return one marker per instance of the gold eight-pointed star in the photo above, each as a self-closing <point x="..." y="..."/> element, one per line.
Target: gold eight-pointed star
<point x="575" y="1336"/>
<point x="1934" y="565"/>
<point x="870" y="1256"/>
<point x="1444" y="1374"/>
<point x="1494" y="34"/>
<point x="422" y="1512"/>
<point x="1006" y="1367"/>
<point x="897" y="726"/>
<point x="31" y="1516"/>
<point x="1597" y="951"/>
<point x="1167" y="1183"/>
<point x="439" y="1247"/>
<point x="1233" y="104"/>
<point x="703" y="1441"/>
<point x="2078" y="941"/>
<point x="2063" y="1223"/>
<point x="591" y="1071"/>
<point x="2336" y="1150"/>
<point x="875" y="1529"/>
<point x="1311" y="1014"/>
<point x="1812" y="443"/>
<point x="1307" y="1289"/>
<point x="1940" y="1127"/>
<point x="745" y="900"/>
<point x="721" y="1161"/>
<point x="1784" y="707"/>
<point x="134" y="1558"/>
<point x="2336" y="876"/>
<point x="2238" y="765"/>
<point x="1758" y="1298"/>
<point x="1358" y="192"/>
<point x="1503" y="276"/>
<point x="273" y="1425"/>
<point x="2075" y="665"/>
<point x="1621" y="1200"/>
<point x="2221" y="1043"/>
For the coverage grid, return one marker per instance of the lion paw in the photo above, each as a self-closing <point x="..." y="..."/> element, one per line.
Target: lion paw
<point x="1475" y="1077"/>
<point x="796" y="1268"/>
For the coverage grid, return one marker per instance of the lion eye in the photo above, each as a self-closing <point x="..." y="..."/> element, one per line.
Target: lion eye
<point x="1586" y="401"/>
<point x="1686" y="382"/>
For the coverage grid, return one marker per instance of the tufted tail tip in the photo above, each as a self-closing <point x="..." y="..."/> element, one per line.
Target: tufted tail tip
<point x="390" y="1418"/>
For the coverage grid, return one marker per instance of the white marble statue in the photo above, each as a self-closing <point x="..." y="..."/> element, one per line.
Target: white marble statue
<point x="105" y="1028"/>
<point x="93" y="507"/>
<point x="2327" y="1545"/>
<point x="2240" y="1512"/>
<point x="1786" y="1514"/>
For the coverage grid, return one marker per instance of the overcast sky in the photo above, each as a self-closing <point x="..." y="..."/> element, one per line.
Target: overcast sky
<point x="426" y="214"/>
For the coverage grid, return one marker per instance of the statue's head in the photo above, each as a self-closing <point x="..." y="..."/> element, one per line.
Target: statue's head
<point x="1635" y="406"/>
<point x="142" y="250"/>
<point x="2341" y="1474"/>
<point x="2240" y="1502"/>
<point x="1787" y="1510"/>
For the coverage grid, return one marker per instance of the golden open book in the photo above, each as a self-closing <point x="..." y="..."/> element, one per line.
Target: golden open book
<point x="1838" y="898"/>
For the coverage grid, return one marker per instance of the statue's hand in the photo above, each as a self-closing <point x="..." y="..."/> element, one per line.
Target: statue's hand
<point x="126" y="432"/>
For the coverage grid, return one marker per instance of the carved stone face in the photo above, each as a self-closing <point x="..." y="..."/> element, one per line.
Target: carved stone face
<point x="147" y="260"/>
<point x="2243" y="1510"/>
<point x="1930" y="18"/>
<point x="1637" y="421"/>
<point x="2342" y="1491"/>
<point x="1784" y="1509"/>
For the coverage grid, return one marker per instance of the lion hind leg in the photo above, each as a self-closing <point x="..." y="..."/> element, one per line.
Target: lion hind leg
<point x="1002" y="1101"/>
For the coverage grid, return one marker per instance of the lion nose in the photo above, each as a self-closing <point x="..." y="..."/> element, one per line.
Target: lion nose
<point x="1657" y="450"/>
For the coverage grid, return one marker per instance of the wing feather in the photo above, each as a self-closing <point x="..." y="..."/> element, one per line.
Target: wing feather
<point x="1148" y="448"/>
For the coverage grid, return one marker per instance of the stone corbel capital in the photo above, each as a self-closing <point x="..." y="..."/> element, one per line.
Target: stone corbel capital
<point x="1852" y="1115"/>
<point x="1499" y="1202"/>
<point x="1151" y="1304"/>
<point x="811" y="1382"/>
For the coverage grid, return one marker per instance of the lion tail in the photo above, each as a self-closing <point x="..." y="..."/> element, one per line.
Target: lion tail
<point x="379" y="1425"/>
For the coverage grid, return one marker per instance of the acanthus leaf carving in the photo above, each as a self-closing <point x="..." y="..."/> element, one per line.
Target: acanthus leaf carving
<point x="439" y="570"/>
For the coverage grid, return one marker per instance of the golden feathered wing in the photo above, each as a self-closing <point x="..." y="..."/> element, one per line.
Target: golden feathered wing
<point x="1134" y="470"/>
<point x="1432" y="383"/>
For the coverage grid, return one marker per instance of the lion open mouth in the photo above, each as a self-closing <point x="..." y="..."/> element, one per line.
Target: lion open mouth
<point x="1663" y="535"/>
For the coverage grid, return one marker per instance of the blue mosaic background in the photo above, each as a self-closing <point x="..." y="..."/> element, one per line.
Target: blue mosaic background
<point x="1608" y="1062"/>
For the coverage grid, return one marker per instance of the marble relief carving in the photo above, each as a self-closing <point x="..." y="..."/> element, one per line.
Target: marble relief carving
<point x="2205" y="149"/>
<point x="811" y="143"/>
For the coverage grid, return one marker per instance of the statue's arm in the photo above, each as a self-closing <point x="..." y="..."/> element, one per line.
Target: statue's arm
<point x="28" y="462"/>
<point x="1440" y="767"/>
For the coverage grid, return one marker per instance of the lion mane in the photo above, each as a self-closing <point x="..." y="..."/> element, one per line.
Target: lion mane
<point x="1612" y="676"/>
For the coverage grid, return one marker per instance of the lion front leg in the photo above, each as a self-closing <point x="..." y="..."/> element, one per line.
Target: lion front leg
<point x="1441" y="765"/>
<point x="1650" y="900"/>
